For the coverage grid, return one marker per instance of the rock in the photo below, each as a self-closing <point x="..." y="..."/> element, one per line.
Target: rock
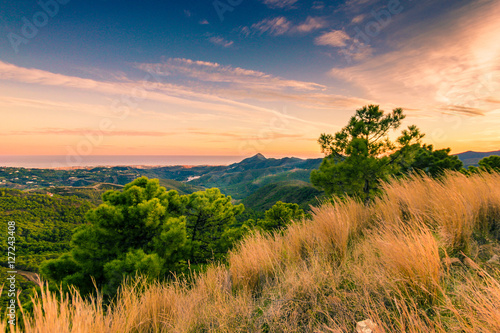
<point x="366" y="326"/>
<point x="494" y="260"/>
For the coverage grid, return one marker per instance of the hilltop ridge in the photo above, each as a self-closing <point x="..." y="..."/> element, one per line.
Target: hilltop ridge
<point x="470" y="157"/>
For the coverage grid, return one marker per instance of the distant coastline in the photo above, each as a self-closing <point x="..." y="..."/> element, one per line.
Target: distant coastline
<point x="67" y="162"/>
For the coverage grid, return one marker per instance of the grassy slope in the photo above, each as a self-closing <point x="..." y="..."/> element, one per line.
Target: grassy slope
<point x="297" y="191"/>
<point x="414" y="261"/>
<point x="242" y="184"/>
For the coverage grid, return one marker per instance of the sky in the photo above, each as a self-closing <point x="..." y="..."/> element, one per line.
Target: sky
<point x="237" y="77"/>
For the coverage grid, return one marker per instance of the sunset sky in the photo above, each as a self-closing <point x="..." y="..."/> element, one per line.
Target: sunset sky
<point x="237" y="77"/>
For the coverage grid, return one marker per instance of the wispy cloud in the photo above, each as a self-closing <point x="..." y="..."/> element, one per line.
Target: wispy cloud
<point x="465" y="110"/>
<point x="216" y="100"/>
<point x="37" y="76"/>
<point x="351" y="48"/>
<point x="217" y="40"/>
<point x="244" y="84"/>
<point x="90" y="131"/>
<point x="311" y="24"/>
<point x="276" y="26"/>
<point x="336" y="38"/>
<point x="318" y="5"/>
<point x="161" y="92"/>
<point x="280" y="3"/>
<point x="280" y="25"/>
<point x="358" y="18"/>
<point x="45" y="104"/>
<point x="214" y="72"/>
<point x="430" y="70"/>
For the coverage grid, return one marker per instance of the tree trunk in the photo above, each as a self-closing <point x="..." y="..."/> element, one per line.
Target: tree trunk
<point x="366" y="190"/>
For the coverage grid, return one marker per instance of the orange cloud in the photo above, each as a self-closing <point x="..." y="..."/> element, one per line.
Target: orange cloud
<point x="444" y="67"/>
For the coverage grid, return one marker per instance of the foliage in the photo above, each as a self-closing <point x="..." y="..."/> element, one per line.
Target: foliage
<point x="491" y="163"/>
<point x="299" y="192"/>
<point x="279" y="216"/>
<point x="472" y="158"/>
<point x="433" y="162"/>
<point x="148" y="230"/>
<point x="210" y="216"/>
<point x="44" y="224"/>
<point x="357" y="158"/>
<point x="488" y="164"/>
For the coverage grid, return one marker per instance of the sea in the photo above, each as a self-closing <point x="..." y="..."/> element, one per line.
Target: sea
<point x="70" y="161"/>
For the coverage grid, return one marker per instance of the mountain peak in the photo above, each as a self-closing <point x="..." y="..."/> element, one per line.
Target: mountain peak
<point x="254" y="159"/>
<point x="258" y="156"/>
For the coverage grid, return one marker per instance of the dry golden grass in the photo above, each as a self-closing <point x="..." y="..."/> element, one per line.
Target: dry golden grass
<point x="455" y="207"/>
<point x="348" y="263"/>
<point x="335" y="225"/>
<point x="481" y="304"/>
<point x="410" y="257"/>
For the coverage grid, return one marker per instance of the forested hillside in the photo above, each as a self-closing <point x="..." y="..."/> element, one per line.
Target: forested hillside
<point x="44" y="224"/>
<point x="296" y="191"/>
<point x="239" y="180"/>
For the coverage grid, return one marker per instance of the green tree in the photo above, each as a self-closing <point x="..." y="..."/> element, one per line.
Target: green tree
<point x="361" y="155"/>
<point x="280" y="215"/>
<point x="432" y="162"/>
<point x="144" y="229"/>
<point x="211" y="224"/>
<point x="490" y="163"/>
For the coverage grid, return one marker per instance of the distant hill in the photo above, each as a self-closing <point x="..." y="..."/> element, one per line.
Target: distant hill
<point x="294" y="191"/>
<point x="473" y="157"/>
<point x="241" y="179"/>
<point x="238" y="179"/>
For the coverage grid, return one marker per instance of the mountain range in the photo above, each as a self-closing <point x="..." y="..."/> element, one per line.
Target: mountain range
<point x="243" y="178"/>
<point x="469" y="158"/>
<point x="262" y="180"/>
<point x="257" y="181"/>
